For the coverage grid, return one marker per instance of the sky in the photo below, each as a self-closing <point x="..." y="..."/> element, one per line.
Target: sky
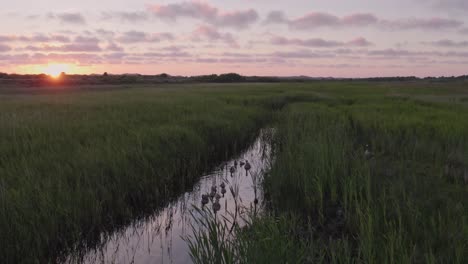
<point x="327" y="38"/>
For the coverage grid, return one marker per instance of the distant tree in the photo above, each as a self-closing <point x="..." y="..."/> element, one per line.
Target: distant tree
<point x="230" y="77"/>
<point x="164" y="75"/>
<point x="105" y="74"/>
<point x="3" y="75"/>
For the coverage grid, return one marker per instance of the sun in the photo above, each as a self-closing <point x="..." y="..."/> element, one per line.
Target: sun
<point x="54" y="70"/>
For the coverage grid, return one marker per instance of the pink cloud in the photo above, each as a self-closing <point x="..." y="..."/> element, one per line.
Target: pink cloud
<point x="139" y="36"/>
<point x="448" y="43"/>
<point x="114" y="47"/>
<point x="435" y="23"/>
<point x="4" y="48"/>
<point x="212" y="34"/>
<point x="78" y="47"/>
<point x="362" y="19"/>
<point x="68" y="18"/>
<point x="319" y="43"/>
<point x="35" y="38"/>
<point x="317" y="19"/>
<point x="452" y="4"/>
<point x="126" y="16"/>
<point x="202" y="11"/>
<point x="359" y="42"/>
<point x="314" y="20"/>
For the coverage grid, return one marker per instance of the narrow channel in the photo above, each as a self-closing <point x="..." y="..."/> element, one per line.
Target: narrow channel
<point x="160" y="238"/>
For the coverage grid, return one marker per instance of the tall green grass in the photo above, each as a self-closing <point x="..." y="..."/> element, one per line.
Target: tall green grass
<point x="75" y="164"/>
<point x="400" y="206"/>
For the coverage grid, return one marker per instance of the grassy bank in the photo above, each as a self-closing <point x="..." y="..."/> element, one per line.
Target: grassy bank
<point x="403" y="203"/>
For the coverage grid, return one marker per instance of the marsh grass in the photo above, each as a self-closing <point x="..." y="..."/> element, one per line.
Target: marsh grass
<point x="330" y="204"/>
<point x="73" y="165"/>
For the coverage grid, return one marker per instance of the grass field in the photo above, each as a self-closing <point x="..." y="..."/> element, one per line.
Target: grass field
<point x="73" y="164"/>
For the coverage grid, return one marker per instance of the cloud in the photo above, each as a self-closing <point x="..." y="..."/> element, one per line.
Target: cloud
<point x="86" y="40"/>
<point x="360" y="19"/>
<point x="276" y="17"/>
<point x="435" y="23"/>
<point x="319" y="43"/>
<point x="105" y="33"/>
<point x="464" y="31"/>
<point x="35" y="38"/>
<point x="77" y="47"/>
<point x="133" y="17"/>
<point x="212" y="34"/>
<point x="359" y="42"/>
<point x="446" y="43"/>
<point x="68" y="18"/>
<point x="114" y="47"/>
<point x="139" y="36"/>
<point x="300" y="54"/>
<point x="4" y="48"/>
<point x="316" y="20"/>
<point x="238" y="19"/>
<point x="452" y="4"/>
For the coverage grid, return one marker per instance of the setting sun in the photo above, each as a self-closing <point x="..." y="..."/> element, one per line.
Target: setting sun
<point x="55" y="70"/>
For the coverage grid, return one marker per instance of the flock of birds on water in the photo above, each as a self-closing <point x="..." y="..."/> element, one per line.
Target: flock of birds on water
<point x="214" y="196"/>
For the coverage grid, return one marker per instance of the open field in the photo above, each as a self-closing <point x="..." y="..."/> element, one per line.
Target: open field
<point x="74" y="164"/>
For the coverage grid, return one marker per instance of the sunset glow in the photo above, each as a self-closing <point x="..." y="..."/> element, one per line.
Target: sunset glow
<point x="55" y="70"/>
<point x="188" y="37"/>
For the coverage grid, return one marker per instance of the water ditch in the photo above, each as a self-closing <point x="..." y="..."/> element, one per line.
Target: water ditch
<point x="160" y="238"/>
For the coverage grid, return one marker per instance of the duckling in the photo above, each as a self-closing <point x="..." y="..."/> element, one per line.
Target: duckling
<point x="232" y="170"/>
<point x="217" y="197"/>
<point x="241" y="163"/>
<point x="223" y="185"/>
<point x="223" y="191"/>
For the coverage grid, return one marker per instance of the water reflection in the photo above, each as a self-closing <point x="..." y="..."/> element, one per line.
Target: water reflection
<point x="160" y="238"/>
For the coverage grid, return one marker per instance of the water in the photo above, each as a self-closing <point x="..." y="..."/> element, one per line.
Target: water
<point x="160" y="238"/>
